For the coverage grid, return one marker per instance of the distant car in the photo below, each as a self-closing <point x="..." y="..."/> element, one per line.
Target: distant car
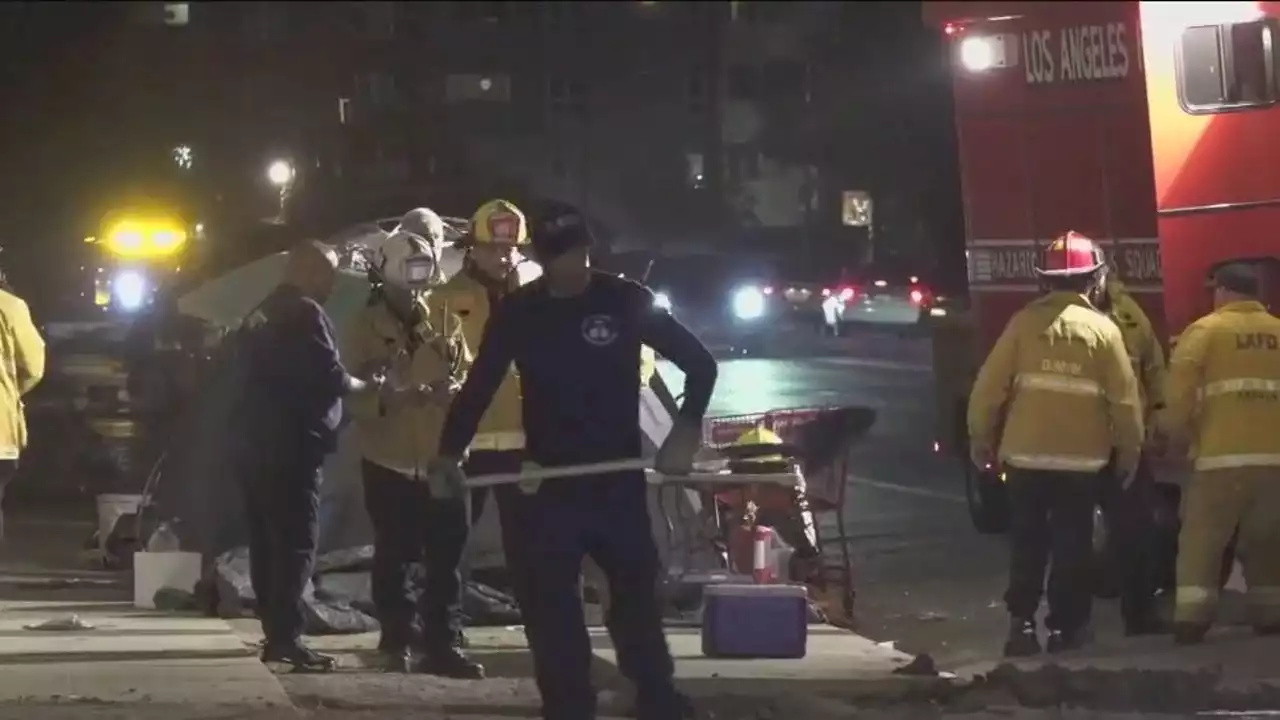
<point x="880" y="295"/>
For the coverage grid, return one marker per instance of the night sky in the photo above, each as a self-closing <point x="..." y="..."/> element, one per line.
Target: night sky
<point x="73" y="138"/>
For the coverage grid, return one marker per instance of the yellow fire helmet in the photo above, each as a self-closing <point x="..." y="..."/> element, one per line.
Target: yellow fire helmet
<point x="499" y="221"/>
<point x="760" y="436"/>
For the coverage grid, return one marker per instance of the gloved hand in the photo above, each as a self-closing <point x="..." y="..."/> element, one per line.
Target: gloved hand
<point x="675" y="457"/>
<point x="441" y="392"/>
<point x="529" y="487"/>
<point x="446" y="479"/>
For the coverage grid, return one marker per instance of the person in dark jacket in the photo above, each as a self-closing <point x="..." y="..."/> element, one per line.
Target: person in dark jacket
<point x="292" y="407"/>
<point x="574" y="336"/>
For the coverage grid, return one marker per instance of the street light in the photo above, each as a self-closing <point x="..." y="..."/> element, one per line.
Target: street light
<point x="280" y="173"/>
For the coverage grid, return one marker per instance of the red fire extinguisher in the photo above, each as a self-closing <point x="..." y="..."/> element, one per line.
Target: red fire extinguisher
<point x="761" y="561"/>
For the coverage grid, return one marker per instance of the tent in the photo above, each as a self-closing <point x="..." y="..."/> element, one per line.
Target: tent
<point x="195" y="487"/>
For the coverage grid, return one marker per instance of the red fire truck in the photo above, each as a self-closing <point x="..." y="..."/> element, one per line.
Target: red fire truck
<point x="1149" y="125"/>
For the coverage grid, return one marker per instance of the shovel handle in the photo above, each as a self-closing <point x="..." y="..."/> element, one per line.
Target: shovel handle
<point x="787" y="479"/>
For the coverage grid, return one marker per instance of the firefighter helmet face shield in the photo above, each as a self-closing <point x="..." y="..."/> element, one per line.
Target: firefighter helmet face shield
<point x="409" y="262"/>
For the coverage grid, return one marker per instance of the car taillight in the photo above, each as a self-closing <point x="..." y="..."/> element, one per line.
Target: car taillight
<point x="919" y="295"/>
<point x="847" y="293"/>
<point x="826" y="292"/>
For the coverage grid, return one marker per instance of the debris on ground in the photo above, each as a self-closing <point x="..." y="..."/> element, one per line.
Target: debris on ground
<point x="69" y="623"/>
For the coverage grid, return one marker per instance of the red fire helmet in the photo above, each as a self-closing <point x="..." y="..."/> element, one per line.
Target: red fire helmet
<point x="1071" y="254"/>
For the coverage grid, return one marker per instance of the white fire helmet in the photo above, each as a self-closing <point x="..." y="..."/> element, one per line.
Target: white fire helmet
<point x="409" y="258"/>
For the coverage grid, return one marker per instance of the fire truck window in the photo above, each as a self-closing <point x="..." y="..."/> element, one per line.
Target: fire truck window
<point x="1250" y="47"/>
<point x="1202" y="84"/>
<point x="1226" y="66"/>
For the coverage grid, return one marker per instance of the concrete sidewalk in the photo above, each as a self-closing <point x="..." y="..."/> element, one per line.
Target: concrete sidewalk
<point x="129" y="656"/>
<point x="1234" y="670"/>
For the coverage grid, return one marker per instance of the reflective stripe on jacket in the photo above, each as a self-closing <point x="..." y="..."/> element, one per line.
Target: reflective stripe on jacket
<point x="1057" y="391"/>
<point x="1223" y="389"/>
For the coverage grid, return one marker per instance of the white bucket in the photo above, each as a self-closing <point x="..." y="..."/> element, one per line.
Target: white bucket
<point x="153" y="571"/>
<point x="112" y="507"/>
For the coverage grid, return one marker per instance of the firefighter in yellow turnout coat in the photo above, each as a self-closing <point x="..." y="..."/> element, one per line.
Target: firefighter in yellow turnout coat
<point x="1130" y="509"/>
<point x="412" y="342"/>
<point x="1056" y="406"/>
<point x="1223" y="398"/>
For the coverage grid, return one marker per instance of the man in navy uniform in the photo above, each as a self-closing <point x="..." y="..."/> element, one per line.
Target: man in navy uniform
<point x="291" y="408"/>
<point x="574" y="336"/>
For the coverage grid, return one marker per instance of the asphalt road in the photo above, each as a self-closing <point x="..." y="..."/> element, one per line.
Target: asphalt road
<point x="926" y="579"/>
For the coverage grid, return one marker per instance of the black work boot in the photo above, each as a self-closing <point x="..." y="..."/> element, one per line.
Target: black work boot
<point x="450" y="663"/>
<point x="394" y="654"/>
<point x="1189" y="633"/>
<point x="298" y="657"/>
<point x="1022" y="640"/>
<point x="1067" y="640"/>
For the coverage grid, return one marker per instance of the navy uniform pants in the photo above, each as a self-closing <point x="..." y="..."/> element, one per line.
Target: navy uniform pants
<point x="607" y="518"/>
<point x="410" y="527"/>
<point x="282" y="501"/>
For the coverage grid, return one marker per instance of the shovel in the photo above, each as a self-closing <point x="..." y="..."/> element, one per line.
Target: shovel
<point x="709" y="474"/>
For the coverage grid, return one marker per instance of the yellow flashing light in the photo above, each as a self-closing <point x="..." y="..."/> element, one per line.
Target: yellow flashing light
<point x="142" y="239"/>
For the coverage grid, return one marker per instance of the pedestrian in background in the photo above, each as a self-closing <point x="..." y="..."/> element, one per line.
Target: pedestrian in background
<point x="21" y="368"/>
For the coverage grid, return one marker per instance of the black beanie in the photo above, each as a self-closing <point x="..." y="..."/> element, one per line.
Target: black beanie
<point x="559" y="229"/>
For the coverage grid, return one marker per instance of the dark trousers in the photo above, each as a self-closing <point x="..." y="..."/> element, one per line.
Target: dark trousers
<point x="606" y="518"/>
<point x="1131" y="541"/>
<point x="507" y="497"/>
<point x="282" y="494"/>
<point x="8" y="468"/>
<point x="410" y="527"/>
<point x="1052" y="518"/>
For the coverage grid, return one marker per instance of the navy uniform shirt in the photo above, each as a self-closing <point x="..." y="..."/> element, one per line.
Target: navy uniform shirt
<point x="295" y="379"/>
<point x="579" y="364"/>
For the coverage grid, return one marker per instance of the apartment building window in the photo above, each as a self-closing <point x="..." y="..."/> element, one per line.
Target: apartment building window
<point x="567" y="96"/>
<point x="488" y="12"/>
<point x="264" y="23"/>
<point x="743" y="162"/>
<point x="471" y="87"/>
<point x="696" y="91"/>
<point x="562" y="12"/>
<point x="378" y="18"/>
<point x="377" y="89"/>
<point x="744" y="83"/>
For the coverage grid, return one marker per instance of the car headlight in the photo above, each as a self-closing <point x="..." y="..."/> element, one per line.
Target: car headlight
<point x="748" y="303"/>
<point x="129" y="288"/>
<point x="662" y="301"/>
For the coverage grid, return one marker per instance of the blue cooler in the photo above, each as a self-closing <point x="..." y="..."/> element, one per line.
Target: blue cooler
<point x="755" y="621"/>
